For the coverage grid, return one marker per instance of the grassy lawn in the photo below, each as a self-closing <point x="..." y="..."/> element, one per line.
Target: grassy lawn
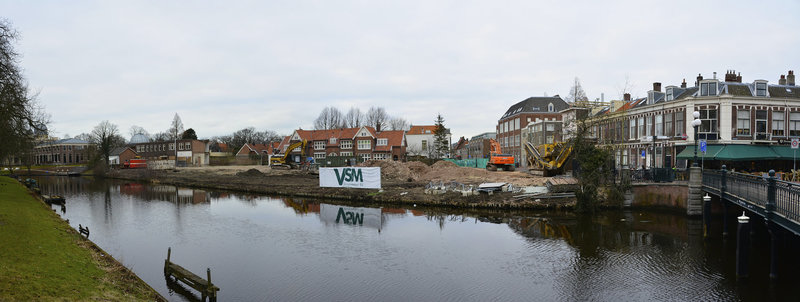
<point x="42" y="258"/>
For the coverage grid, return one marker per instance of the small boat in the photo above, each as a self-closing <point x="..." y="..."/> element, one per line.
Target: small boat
<point x="56" y="199"/>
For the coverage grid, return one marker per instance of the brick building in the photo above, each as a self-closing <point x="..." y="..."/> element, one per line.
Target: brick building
<point x="62" y="152"/>
<point x="190" y="151"/>
<point x="518" y="116"/>
<point x="363" y="142"/>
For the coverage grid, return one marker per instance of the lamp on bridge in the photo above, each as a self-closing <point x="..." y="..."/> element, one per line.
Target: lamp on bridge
<point x="695" y="123"/>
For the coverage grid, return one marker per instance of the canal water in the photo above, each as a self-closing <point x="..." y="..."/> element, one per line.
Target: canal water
<point x="262" y="248"/>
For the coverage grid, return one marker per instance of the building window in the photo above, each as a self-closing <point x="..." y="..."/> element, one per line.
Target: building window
<point x="516" y="123"/>
<point x="382" y="142"/>
<point x="709" y="125"/>
<point x="670" y="96"/>
<point x="761" y="124"/>
<point x="708" y="89"/>
<point x="346" y="144"/>
<point x="659" y="125"/>
<point x="188" y="146"/>
<point x="171" y="147"/>
<point x="345" y="153"/>
<point x="633" y="128"/>
<point x="649" y="130"/>
<point x="551" y="108"/>
<point x="778" y="123"/>
<point x="319" y="145"/>
<point x="365" y="156"/>
<point x="679" y="124"/>
<point x="742" y="122"/>
<point x="761" y="89"/>
<point x="319" y="155"/>
<point x="668" y="125"/>
<point x="424" y="145"/>
<point x="364" y="144"/>
<point x="794" y="124"/>
<point x="641" y="126"/>
<point x="380" y="156"/>
<point x="332" y="141"/>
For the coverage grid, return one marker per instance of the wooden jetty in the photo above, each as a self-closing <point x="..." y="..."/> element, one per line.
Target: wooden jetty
<point x="205" y="287"/>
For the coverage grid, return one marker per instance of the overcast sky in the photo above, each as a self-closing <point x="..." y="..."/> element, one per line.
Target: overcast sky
<point x="227" y="65"/>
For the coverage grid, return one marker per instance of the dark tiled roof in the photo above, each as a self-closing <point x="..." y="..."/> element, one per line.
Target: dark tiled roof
<point x="783" y="91"/>
<point x="737" y="89"/>
<point x="536" y="104"/>
<point x="686" y="93"/>
<point x="119" y="150"/>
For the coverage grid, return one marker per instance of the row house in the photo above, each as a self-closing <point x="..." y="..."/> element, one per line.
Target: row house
<point x="62" y="152"/>
<point x="364" y="142"/>
<point x="520" y="115"/>
<point x="753" y="121"/>
<point x="191" y="151"/>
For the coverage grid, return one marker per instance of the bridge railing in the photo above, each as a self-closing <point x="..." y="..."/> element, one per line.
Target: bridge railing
<point x="748" y="187"/>
<point x="787" y="199"/>
<point x="773" y="196"/>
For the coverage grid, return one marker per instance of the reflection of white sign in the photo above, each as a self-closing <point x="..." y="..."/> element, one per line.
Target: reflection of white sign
<point x="350" y="177"/>
<point x="184" y="153"/>
<point x="333" y="214"/>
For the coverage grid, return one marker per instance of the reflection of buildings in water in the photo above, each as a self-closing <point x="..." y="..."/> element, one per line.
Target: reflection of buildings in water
<point x="166" y="193"/>
<point x="62" y="185"/>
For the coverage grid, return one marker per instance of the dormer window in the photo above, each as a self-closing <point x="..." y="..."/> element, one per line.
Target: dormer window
<point x="708" y="88"/>
<point x="332" y="141"/>
<point x="651" y="97"/>
<point x="551" y="108"/>
<point x="670" y="94"/>
<point x="761" y="88"/>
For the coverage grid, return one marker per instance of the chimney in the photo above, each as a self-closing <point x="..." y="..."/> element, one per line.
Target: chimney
<point x="715" y="75"/>
<point x="790" y="78"/>
<point x="683" y="85"/>
<point x="782" y="80"/>
<point x="730" y="76"/>
<point x="699" y="78"/>
<point x="627" y="97"/>
<point x="657" y="86"/>
<point x="739" y="78"/>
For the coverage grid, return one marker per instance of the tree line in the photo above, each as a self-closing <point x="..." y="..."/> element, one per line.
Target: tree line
<point x="376" y="117"/>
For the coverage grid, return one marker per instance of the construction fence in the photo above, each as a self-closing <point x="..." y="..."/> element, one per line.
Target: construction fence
<point x="473" y="162"/>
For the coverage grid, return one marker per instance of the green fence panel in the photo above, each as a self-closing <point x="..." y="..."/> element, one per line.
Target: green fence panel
<point x="472" y="163"/>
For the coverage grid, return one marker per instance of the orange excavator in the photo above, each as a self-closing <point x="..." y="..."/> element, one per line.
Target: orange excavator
<point x="499" y="160"/>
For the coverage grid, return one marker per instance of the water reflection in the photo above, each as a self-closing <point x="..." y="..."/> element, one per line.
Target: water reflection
<point x="265" y="248"/>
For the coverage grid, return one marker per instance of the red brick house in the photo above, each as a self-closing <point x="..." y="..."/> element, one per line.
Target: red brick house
<point x="363" y="142"/>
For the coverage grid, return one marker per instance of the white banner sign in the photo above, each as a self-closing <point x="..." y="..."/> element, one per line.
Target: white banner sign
<point x="333" y="214"/>
<point x="184" y="153"/>
<point x="350" y="177"/>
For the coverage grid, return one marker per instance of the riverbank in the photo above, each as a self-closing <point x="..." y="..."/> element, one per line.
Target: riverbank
<point x="402" y="184"/>
<point x="43" y="258"/>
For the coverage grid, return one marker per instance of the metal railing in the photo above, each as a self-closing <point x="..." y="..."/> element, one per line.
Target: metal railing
<point x="772" y="196"/>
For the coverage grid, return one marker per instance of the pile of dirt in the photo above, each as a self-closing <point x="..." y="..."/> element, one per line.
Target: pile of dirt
<point x="418" y="168"/>
<point x="390" y="170"/>
<point x="250" y="173"/>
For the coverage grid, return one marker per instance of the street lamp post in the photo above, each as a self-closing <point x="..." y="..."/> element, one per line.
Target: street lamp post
<point x="695" y="123"/>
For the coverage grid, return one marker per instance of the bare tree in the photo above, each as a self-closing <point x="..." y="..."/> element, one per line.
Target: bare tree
<point x="22" y="119"/>
<point x="354" y="118"/>
<point x="106" y="137"/>
<point x="576" y="93"/>
<point x="161" y="137"/>
<point x="376" y="117"/>
<point x="176" y="127"/>
<point x="398" y="123"/>
<point x="329" y="118"/>
<point x="138" y="130"/>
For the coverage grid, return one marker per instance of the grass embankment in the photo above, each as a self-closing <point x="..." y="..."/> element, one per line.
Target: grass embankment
<point x="43" y="258"/>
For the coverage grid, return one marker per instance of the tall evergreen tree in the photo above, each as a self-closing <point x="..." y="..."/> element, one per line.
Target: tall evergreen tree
<point x="441" y="147"/>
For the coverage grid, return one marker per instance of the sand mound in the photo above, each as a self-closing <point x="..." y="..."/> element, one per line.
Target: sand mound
<point x="418" y="168"/>
<point x="250" y="173"/>
<point x="393" y="170"/>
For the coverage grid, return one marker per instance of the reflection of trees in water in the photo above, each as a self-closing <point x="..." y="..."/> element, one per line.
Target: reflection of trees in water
<point x="167" y="193"/>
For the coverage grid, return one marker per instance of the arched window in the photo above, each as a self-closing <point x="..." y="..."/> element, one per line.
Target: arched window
<point x="550" y="108"/>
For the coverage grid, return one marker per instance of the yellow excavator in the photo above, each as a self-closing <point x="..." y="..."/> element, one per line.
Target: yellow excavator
<point x="285" y="159"/>
<point x="549" y="158"/>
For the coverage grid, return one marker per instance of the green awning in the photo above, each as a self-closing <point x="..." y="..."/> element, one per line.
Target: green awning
<point x="711" y="151"/>
<point x="746" y="152"/>
<point x="785" y="152"/>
